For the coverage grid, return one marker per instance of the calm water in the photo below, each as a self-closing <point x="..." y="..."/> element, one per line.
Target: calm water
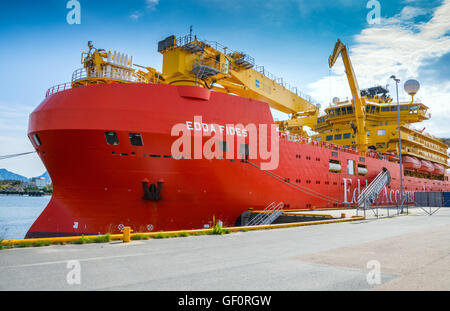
<point x="17" y="214"/>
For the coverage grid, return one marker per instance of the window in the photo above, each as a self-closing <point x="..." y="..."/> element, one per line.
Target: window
<point x="135" y="139"/>
<point x="330" y="137"/>
<point x="36" y="139"/>
<point x="338" y="136"/>
<point x="381" y="132"/>
<point x="334" y="154"/>
<point x="111" y="138"/>
<point x="384" y="109"/>
<point x="404" y="107"/>
<point x="393" y="108"/>
<point x="347" y="135"/>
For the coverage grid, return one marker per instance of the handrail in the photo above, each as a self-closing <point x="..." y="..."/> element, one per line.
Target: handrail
<point x="108" y="73"/>
<point x="58" y="88"/>
<point x="261" y="215"/>
<point x="184" y="40"/>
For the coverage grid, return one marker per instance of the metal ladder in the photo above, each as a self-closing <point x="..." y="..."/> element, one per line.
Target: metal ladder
<point x="370" y="193"/>
<point x="268" y="215"/>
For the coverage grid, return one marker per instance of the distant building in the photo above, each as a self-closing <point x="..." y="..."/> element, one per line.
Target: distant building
<point x="39" y="182"/>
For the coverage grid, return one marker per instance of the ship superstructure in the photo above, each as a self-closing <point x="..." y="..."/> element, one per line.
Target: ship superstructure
<point x="369" y="122"/>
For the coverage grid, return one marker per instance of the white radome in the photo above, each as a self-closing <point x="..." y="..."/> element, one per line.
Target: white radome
<point x="336" y="100"/>
<point x="412" y="87"/>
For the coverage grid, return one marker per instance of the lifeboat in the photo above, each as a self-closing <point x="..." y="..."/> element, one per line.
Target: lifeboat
<point x="438" y="169"/>
<point x="411" y="163"/>
<point x="427" y="167"/>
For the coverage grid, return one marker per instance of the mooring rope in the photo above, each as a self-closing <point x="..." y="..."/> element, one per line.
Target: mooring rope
<point x="9" y="156"/>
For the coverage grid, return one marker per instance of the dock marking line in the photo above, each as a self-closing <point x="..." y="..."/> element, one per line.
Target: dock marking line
<point x="65" y="261"/>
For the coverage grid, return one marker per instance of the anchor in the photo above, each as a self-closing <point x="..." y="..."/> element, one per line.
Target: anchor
<point x="152" y="192"/>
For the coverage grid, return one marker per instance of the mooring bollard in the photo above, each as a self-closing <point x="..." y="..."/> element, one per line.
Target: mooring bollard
<point x="126" y="234"/>
<point x="342" y="215"/>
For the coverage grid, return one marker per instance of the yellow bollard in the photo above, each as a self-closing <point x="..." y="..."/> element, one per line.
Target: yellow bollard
<point x="126" y="234"/>
<point x="342" y="215"/>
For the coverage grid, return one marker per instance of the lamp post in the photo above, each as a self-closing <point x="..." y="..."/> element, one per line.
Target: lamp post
<point x="411" y="87"/>
<point x="399" y="145"/>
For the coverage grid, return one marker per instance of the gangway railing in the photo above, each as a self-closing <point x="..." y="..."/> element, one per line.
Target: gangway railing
<point x="370" y="193"/>
<point x="268" y="215"/>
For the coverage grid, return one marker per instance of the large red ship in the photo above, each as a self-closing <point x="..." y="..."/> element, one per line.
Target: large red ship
<point x="107" y="140"/>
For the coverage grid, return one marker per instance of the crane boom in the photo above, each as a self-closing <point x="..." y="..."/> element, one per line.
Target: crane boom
<point x="359" y="102"/>
<point x="187" y="60"/>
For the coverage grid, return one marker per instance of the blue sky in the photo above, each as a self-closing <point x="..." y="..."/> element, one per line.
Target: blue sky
<point x="291" y="38"/>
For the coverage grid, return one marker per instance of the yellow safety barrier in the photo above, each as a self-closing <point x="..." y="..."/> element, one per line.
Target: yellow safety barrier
<point x="126" y="236"/>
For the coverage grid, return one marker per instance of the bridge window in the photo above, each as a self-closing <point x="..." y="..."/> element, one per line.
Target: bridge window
<point x="393" y="108"/>
<point x="404" y="107"/>
<point x="111" y="138"/>
<point x="135" y="139"/>
<point x="413" y="108"/>
<point x="337" y="137"/>
<point x="347" y="135"/>
<point x="330" y="137"/>
<point x="383" y="109"/>
<point x="36" y="139"/>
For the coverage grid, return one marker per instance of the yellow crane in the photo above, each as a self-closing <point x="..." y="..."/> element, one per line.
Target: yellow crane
<point x="359" y="102"/>
<point x="188" y="60"/>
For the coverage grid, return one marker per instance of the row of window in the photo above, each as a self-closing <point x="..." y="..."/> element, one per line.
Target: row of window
<point x="135" y="139"/>
<point x="339" y="136"/>
<point x="348" y="135"/>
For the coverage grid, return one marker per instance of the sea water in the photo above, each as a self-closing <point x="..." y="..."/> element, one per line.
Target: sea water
<point x="17" y="214"/>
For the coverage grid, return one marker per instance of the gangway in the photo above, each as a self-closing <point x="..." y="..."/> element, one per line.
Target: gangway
<point x="370" y="193"/>
<point x="268" y="215"/>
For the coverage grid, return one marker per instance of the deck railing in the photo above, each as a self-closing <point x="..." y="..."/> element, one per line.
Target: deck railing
<point x="58" y="88"/>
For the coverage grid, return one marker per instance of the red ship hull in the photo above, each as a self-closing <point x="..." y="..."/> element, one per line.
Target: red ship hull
<point x="98" y="187"/>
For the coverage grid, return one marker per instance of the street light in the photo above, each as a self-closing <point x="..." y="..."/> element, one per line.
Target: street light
<point x="411" y="87"/>
<point x="399" y="145"/>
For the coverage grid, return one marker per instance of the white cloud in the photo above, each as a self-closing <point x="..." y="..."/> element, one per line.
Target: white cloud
<point x="135" y="16"/>
<point x="398" y="47"/>
<point x="151" y="4"/>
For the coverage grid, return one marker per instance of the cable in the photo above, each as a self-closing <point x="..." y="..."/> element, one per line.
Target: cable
<point x="9" y="156"/>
